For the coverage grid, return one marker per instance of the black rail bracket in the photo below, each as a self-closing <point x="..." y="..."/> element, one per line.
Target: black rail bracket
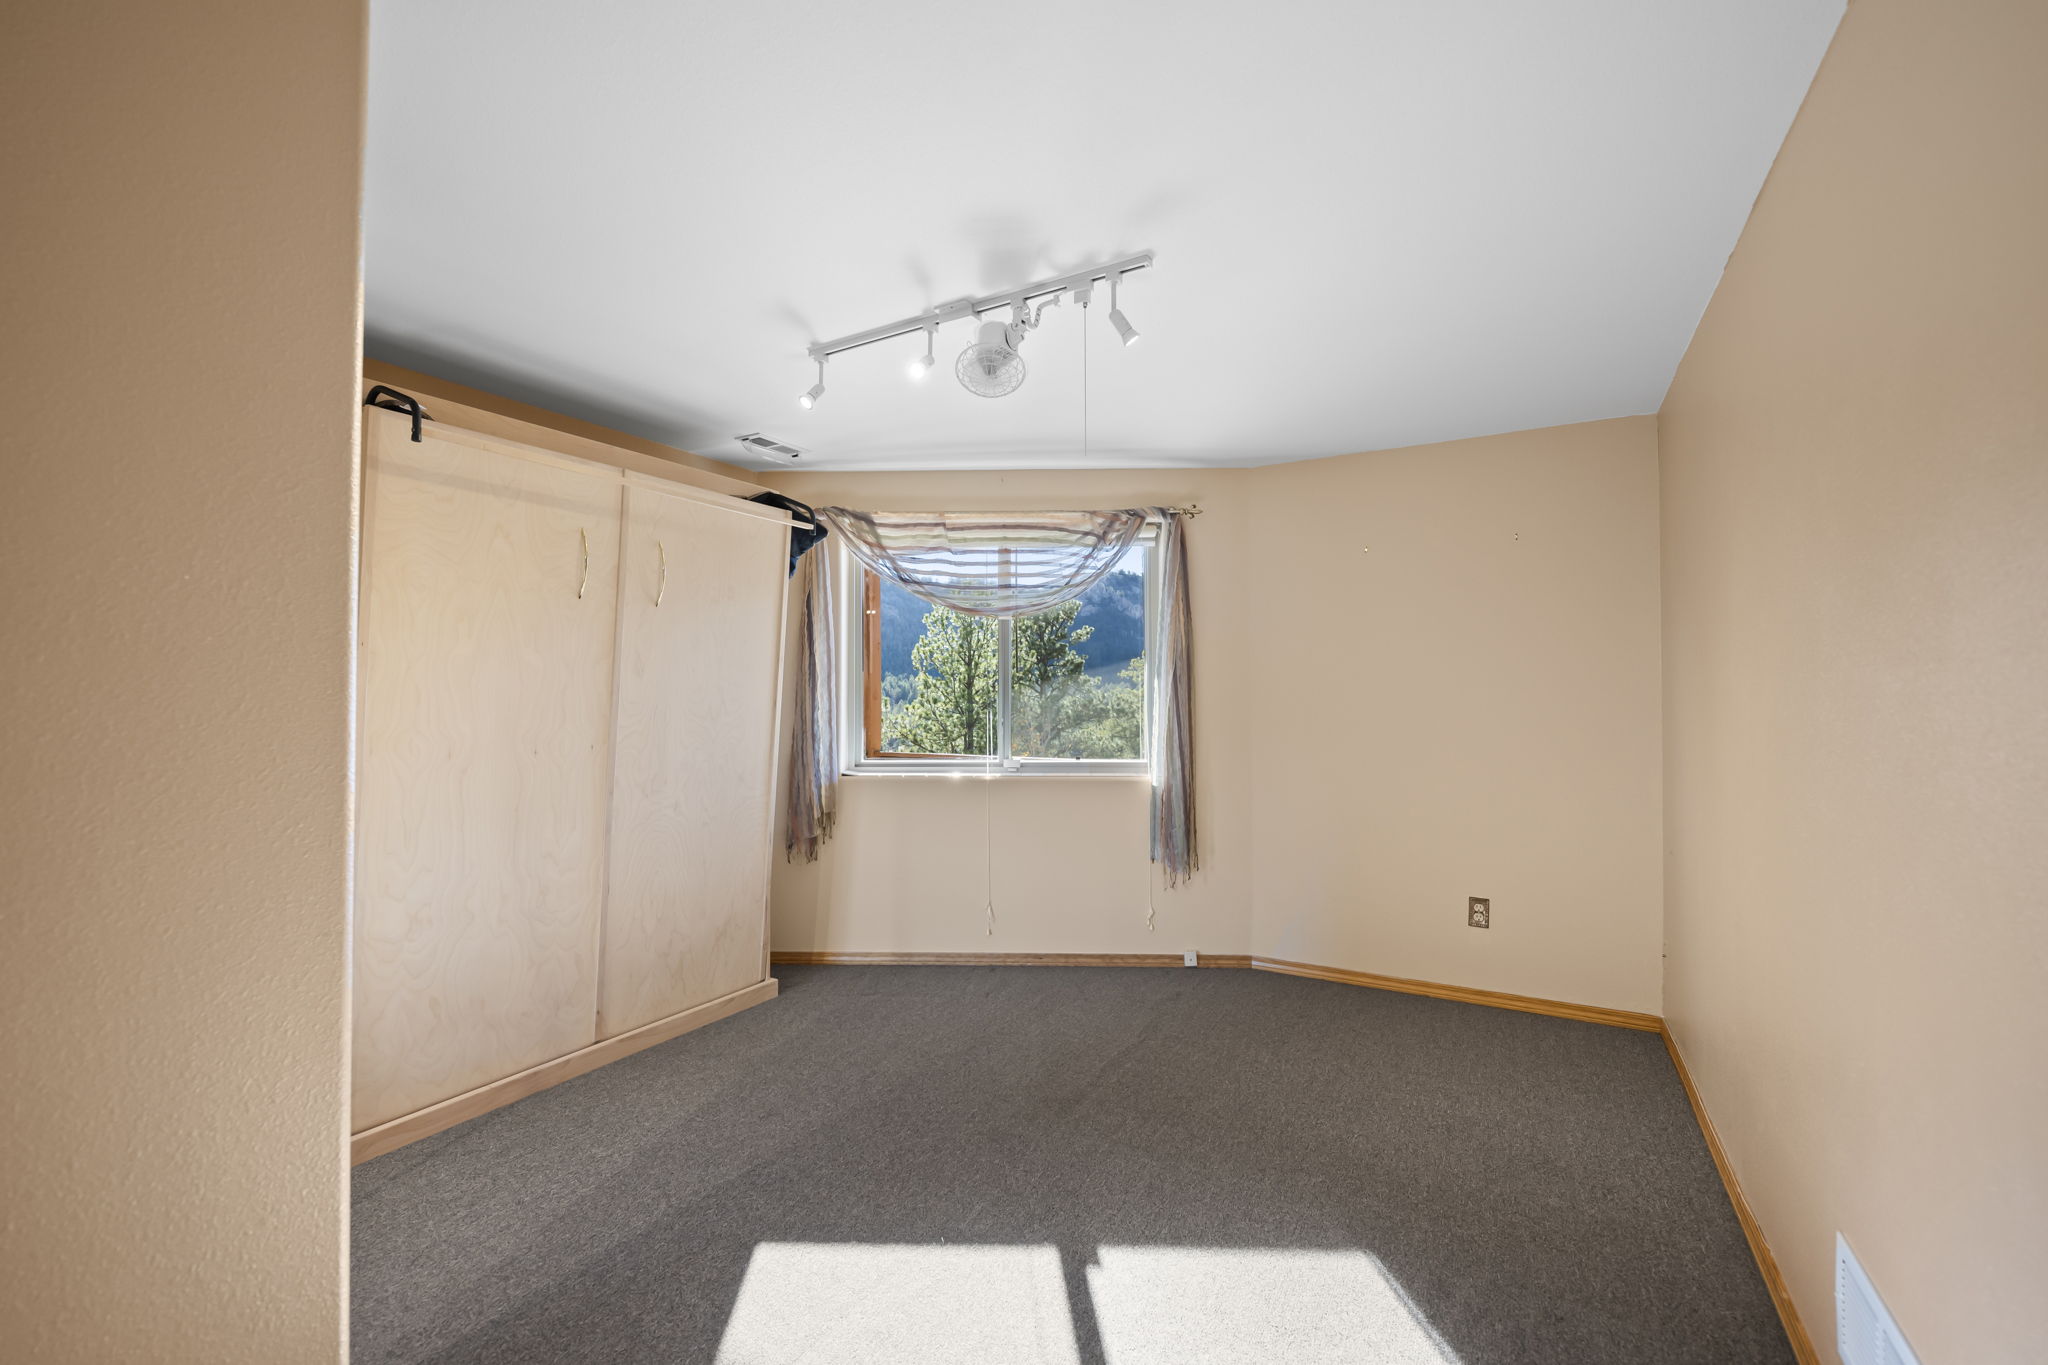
<point x="391" y="400"/>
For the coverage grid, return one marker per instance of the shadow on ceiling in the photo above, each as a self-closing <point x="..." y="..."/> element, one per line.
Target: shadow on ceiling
<point x="680" y="429"/>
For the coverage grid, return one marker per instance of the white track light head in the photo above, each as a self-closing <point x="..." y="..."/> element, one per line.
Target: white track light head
<point x="816" y="391"/>
<point x="1116" y="314"/>
<point x="920" y="366"/>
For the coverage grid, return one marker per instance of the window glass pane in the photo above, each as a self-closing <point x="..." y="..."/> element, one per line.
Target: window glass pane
<point x="938" y="678"/>
<point x="1077" y="672"/>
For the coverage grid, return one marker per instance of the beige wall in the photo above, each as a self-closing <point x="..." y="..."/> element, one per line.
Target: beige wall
<point x="1458" y="696"/>
<point x="1471" y="708"/>
<point x="176" y="543"/>
<point x="1855" y="466"/>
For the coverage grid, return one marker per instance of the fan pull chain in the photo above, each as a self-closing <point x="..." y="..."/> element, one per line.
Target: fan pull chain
<point x="1084" y="381"/>
<point x="988" y="840"/>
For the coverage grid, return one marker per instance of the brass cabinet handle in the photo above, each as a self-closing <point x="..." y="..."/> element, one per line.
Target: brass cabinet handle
<point x="662" y="587"/>
<point x="584" y="536"/>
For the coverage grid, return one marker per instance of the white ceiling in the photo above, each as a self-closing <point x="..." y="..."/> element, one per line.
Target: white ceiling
<point x="1378" y="224"/>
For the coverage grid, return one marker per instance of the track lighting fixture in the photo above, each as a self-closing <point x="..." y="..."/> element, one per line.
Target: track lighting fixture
<point x="1116" y="314"/>
<point x="990" y="367"/>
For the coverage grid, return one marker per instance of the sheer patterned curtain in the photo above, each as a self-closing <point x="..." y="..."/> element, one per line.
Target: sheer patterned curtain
<point x="812" y="798"/>
<point x="998" y="564"/>
<point x="1173" y="757"/>
<point x="989" y="563"/>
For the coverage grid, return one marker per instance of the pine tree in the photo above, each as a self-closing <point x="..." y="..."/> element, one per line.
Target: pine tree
<point x="1042" y="648"/>
<point x="954" y="669"/>
<point x="1046" y="673"/>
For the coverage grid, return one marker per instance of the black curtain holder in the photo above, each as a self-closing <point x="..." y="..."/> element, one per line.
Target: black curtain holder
<point x="391" y="400"/>
<point x="804" y="533"/>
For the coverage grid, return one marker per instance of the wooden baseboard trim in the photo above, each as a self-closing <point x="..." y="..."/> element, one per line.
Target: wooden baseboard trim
<point x="1529" y="1004"/>
<point x="807" y="959"/>
<point x="1766" y="1263"/>
<point x="396" y="1133"/>
<point x="1590" y="1014"/>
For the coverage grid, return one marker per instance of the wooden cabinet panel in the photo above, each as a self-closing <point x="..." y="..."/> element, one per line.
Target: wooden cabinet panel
<point x="700" y="637"/>
<point x="485" y="685"/>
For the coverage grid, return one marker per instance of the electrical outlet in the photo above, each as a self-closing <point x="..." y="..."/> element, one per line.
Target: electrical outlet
<point x="1479" y="912"/>
<point x="1189" y="959"/>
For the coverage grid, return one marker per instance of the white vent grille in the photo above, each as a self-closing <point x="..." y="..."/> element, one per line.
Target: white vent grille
<point x="754" y="443"/>
<point x="1864" y="1331"/>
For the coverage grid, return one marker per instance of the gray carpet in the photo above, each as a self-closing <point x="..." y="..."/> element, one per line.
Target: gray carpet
<point x="1102" y="1166"/>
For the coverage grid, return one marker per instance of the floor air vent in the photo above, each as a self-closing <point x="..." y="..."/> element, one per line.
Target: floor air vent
<point x="1864" y="1331"/>
<point x="767" y="447"/>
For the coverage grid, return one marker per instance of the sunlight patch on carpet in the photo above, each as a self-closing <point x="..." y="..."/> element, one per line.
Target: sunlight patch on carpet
<point x="1208" y="1306"/>
<point x="825" y="1303"/>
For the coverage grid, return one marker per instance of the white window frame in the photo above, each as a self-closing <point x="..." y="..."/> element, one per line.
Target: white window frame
<point x="855" y="759"/>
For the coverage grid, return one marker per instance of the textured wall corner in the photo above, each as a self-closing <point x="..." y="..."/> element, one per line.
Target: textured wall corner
<point x="177" y="545"/>
<point x="1854" y="569"/>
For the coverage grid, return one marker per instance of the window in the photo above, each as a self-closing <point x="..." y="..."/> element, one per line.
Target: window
<point x="1064" y="690"/>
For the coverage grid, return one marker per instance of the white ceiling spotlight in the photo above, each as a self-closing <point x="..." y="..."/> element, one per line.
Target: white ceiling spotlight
<point x="920" y="366"/>
<point x="990" y="366"/>
<point x="816" y="391"/>
<point x="1116" y="314"/>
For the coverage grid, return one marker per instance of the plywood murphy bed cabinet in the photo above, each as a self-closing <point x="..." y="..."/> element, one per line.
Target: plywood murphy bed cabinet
<point x="568" y="686"/>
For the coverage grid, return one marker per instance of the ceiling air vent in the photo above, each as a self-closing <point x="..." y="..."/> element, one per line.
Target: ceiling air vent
<point x="1864" y="1331"/>
<point x="767" y="447"/>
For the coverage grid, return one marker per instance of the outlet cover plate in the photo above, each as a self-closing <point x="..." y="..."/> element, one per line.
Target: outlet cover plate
<point x="1190" y="958"/>
<point x="1479" y="912"/>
